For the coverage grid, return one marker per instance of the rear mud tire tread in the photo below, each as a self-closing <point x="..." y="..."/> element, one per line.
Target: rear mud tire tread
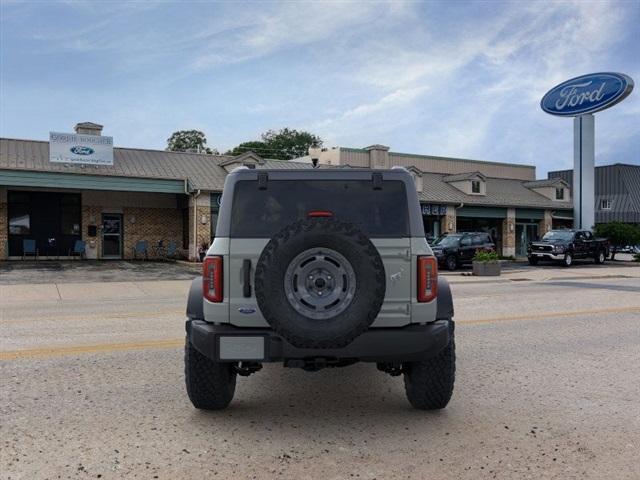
<point x="429" y="384"/>
<point x="210" y="385"/>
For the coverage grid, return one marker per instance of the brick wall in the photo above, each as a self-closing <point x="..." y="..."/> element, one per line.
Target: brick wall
<point x="91" y="216"/>
<point x="152" y="225"/>
<point x="545" y="224"/>
<point x="509" y="233"/>
<point x="203" y="229"/>
<point x="449" y="220"/>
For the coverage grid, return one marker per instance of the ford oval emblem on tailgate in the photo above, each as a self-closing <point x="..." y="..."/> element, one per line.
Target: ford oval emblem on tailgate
<point x="247" y="310"/>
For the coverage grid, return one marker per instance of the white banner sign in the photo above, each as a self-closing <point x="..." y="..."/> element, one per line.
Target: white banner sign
<point x="74" y="148"/>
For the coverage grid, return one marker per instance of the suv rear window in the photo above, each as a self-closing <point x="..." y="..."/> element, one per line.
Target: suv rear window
<point x="262" y="213"/>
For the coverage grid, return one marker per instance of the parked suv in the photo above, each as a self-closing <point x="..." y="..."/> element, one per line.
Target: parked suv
<point x="320" y="268"/>
<point x="456" y="249"/>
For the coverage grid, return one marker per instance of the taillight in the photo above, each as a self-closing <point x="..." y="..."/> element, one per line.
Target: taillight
<point x="212" y="279"/>
<point x="319" y="213"/>
<point x="427" y="279"/>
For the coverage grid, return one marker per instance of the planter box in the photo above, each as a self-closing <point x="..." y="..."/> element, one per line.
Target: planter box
<point x="486" y="269"/>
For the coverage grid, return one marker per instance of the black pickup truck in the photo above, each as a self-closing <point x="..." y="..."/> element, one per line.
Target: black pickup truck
<point x="565" y="246"/>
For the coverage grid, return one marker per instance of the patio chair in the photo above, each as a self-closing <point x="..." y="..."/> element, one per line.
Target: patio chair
<point x="29" y="248"/>
<point x="159" y="249"/>
<point x="79" y="248"/>
<point x="172" y="249"/>
<point x="142" y="249"/>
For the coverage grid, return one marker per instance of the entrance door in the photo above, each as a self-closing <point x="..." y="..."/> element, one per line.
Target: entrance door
<point x="525" y="233"/>
<point x="111" y="235"/>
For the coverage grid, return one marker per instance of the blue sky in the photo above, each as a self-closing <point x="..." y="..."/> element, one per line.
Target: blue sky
<point x="442" y="78"/>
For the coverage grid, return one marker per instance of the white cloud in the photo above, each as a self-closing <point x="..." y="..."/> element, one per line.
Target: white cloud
<point x="443" y="78"/>
<point x="484" y="80"/>
<point x="288" y="25"/>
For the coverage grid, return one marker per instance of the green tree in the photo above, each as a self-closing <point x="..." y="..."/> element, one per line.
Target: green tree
<point x="283" y="144"/>
<point x="619" y="234"/>
<point x="288" y="144"/>
<point x="189" y="141"/>
<point x="256" y="146"/>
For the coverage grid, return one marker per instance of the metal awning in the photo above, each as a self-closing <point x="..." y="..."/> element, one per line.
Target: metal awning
<point x="29" y="178"/>
<point x="561" y="216"/>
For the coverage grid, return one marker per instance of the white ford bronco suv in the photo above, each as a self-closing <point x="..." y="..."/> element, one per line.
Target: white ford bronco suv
<point x="319" y="268"/>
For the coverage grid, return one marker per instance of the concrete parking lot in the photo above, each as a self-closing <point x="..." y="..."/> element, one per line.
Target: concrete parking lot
<point x="548" y="384"/>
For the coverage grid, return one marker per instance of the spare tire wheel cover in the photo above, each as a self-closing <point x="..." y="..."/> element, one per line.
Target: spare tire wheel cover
<point x="320" y="283"/>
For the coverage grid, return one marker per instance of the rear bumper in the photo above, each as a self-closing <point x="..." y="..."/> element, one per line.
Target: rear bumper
<point x="406" y="344"/>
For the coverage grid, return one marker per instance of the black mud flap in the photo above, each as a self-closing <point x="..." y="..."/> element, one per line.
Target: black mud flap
<point x="194" y="303"/>
<point x="445" y="300"/>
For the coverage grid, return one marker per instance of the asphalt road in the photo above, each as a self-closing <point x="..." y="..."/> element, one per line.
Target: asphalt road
<point x="548" y="386"/>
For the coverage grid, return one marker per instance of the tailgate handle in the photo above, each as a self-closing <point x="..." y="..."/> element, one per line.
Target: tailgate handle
<point x="246" y="273"/>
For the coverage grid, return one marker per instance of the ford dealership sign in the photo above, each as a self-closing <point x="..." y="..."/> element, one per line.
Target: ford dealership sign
<point x="81" y="149"/>
<point x="587" y="94"/>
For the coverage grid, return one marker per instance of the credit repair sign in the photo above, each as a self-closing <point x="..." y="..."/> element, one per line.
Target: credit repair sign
<point x="80" y="149"/>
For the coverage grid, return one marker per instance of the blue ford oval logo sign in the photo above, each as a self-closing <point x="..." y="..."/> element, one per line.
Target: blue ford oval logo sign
<point x="247" y="310"/>
<point x="79" y="150"/>
<point x="587" y="94"/>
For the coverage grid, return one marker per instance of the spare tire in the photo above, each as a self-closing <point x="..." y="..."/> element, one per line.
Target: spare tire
<point x="320" y="283"/>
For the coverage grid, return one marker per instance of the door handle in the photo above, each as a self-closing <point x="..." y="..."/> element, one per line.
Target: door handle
<point x="246" y="274"/>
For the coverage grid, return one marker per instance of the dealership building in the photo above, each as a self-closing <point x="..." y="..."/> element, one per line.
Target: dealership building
<point x="617" y="192"/>
<point x="114" y="198"/>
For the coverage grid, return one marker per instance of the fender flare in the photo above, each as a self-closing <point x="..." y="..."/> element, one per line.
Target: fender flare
<point x="445" y="300"/>
<point x="195" y="310"/>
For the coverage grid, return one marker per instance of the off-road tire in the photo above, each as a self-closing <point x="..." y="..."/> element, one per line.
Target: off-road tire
<point x="567" y="261"/>
<point x="210" y="385"/>
<point x="341" y="329"/>
<point x="429" y="384"/>
<point x="533" y="261"/>
<point x="451" y="262"/>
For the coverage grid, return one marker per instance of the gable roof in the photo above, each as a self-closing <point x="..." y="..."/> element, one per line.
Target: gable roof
<point x="207" y="172"/>
<point x="547" y="182"/>
<point x="463" y="176"/>
<point x="203" y="171"/>
<point x="248" y="156"/>
<point x="499" y="192"/>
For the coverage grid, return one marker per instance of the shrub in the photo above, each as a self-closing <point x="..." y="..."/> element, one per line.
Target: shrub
<point x="481" y="256"/>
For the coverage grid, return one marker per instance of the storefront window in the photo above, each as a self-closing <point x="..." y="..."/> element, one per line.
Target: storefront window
<point x="19" y="217"/>
<point x="19" y="220"/>
<point x="51" y="219"/>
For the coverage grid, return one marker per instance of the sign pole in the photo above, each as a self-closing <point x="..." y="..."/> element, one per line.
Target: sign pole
<point x="579" y="98"/>
<point x="583" y="171"/>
